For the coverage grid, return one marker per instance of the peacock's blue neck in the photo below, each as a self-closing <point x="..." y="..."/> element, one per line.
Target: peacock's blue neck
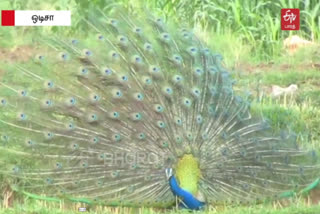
<point x="188" y="200"/>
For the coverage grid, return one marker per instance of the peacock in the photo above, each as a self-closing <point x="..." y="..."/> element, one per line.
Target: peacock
<point x="139" y="113"/>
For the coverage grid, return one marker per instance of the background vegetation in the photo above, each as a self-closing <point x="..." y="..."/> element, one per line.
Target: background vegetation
<point x="246" y="32"/>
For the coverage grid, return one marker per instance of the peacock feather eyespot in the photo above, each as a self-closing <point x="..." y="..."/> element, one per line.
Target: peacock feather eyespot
<point x="115" y="174"/>
<point x="147" y="178"/>
<point x="83" y="71"/>
<point x="117" y="93"/>
<point x="130" y="189"/>
<point x="224" y="152"/>
<point x="246" y="186"/>
<point x="154" y="70"/>
<point x="23" y="93"/>
<point x="15" y="169"/>
<point x="123" y="79"/>
<point x="137" y="30"/>
<point x="107" y="71"/>
<point x="199" y="119"/>
<point x="147" y="47"/>
<point x="204" y="136"/>
<point x="114" y="115"/>
<point x="240" y="169"/>
<point x="22" y="116"/>
<point x="165" y="37"/>
<point x="165" y="144"/>
<point x="206" y="51"/>
<point x="122" y="39"/>
<point x="212" y="70"/>
<point x="59" y="165"/>
<point x="101" y="156"/>
<point x="134" y="166"/>
<point x="141" y="136"/>
<point x="158" y="108"/>
<point x="189" y="136"/>
<point x="74" y="146"/>
<point x="49" y="84"/>
<point x="257" y="157"/>
<point x="100" y="183"/>
<point x="167" y="91"/>
<point x="136" y="116"/>
<point x="159" y="22"/>
<point x="178" y="121"/>
<point x="224" y="135"/>
<point x="243" y="152"/>
<point x="177" y="78"/>
<point x="3" y="102"/>
<point x="74" y="41"/>
<point x="147" y="80"/>
<point x="137" y="60"/>
<point x="116" y="137"/>
<point x="49" y="181"/>
<point x="114" y="56"/>
<point x="76" y="183"/>
<point x="178" y="139"/>
<point x="253" y="173"/>
<point x="186" y="102"/>
<point x="220" y="165"/>
<point x="70" y="126"/>
<point x="71" y="101"/>
<point x="39" y="58"/>
<point x="100" y="37"/>
<point x="84" y="164"/>
<point x="192" y="51"/>
<point x="87" y="53"/>
<point x="5" y="138"/>
<point x="94" y="98"/>
<point x="92" y="117"/>
<point x="113" y="22"/>
<point x="138" y="96"/>
<point x="177" y="59"/>
<point x="195" y="92"/>
<point x="29" y="143"/>
<point x="186" y="35"/>
<point x="63" y="56"/>
<point x="161" y="124"/>
<point x="198" y="72"/>
<point x="94" y="140"/>
<point x="47" y="103"/>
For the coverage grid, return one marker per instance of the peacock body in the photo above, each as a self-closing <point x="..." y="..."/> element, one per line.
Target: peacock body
<point x="99" y="120"/>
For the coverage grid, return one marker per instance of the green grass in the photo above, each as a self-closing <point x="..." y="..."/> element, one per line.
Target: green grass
<point x="39" y="207"/>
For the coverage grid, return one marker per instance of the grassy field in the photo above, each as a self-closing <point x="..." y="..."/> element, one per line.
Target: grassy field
<point x="37" y="207"/>
<point x="252" y="45"/>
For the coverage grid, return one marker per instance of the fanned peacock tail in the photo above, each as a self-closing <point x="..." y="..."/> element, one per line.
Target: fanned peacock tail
<point x="100" y="119"/>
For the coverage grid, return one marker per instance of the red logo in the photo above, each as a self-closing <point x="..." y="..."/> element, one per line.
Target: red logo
<point x="290" y="19"/>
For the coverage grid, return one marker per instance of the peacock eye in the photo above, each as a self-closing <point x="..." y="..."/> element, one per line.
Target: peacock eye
<point x="3" y="102"/>
<point x="74" y="41"/>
